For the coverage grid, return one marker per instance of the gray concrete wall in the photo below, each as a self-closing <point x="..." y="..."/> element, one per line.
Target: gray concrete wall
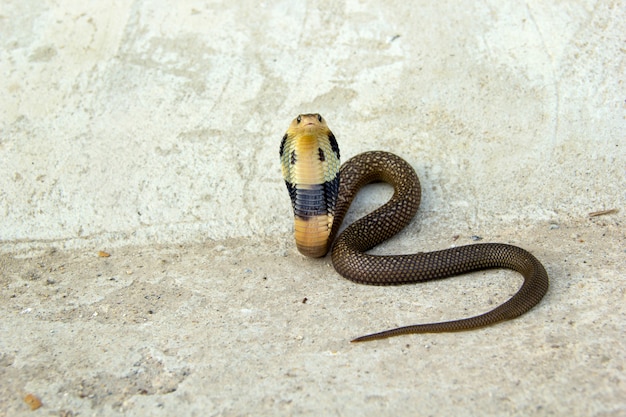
<point x="152" y="129"/>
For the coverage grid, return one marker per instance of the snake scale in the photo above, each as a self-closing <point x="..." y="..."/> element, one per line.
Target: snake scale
<point x="321" y="192"/>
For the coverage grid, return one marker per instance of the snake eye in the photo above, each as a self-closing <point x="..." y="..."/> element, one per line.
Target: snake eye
<point x="299" y="119"/>
<point x="319" y="117"/>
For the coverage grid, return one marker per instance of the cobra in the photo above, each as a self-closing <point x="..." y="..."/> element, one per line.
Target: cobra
<point x="321" y="192"/>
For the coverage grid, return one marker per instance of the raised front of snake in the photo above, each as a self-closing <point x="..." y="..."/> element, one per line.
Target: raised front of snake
<point x="321" y="192"/>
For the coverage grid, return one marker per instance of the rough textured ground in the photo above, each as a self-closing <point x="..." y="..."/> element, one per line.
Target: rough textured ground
<point x="149" y="131"/>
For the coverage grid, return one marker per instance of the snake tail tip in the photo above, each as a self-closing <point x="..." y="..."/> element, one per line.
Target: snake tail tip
<point x="364" y="338"/>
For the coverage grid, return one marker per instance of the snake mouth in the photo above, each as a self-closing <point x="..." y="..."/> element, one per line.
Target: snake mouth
<point x="309" y="128"/>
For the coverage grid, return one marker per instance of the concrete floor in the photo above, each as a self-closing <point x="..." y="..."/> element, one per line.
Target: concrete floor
<point x="150" y="131"/>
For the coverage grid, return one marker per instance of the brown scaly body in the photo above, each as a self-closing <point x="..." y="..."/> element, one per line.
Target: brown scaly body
<point x="351" y="261"/>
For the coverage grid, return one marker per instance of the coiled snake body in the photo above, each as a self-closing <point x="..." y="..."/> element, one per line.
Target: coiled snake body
<point x="321" y="193"/>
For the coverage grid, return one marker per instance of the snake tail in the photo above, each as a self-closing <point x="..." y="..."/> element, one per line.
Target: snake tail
<point x="464" y="259"/>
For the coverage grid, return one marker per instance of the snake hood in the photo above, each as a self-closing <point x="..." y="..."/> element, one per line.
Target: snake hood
<point x="309" y="157"/>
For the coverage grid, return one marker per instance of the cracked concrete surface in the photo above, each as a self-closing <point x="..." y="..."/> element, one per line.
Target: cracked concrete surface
<point x="150" y="131"/>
